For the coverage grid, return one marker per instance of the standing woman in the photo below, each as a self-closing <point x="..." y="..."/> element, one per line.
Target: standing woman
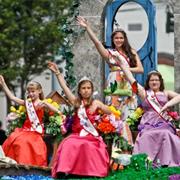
<point x="83" y="152"/>
<point x="123" y="99"/>
<point x="157" y="136"/>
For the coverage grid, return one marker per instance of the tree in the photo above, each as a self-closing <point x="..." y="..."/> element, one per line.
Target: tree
<point x="30" y="32"/>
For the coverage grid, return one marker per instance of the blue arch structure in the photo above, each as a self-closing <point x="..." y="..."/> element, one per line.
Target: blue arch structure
<point x="148" y="52"/>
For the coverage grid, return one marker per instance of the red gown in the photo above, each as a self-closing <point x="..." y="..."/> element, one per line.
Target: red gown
<point x="25" y="146"/>
<point x="81" y="155"/>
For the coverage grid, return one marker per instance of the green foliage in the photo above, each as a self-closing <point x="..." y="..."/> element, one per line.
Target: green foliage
<point x="52" y="124"/>
<point x="113" y="86"/>
<point x="122" y="144"/>
<point x="15" y="123"/>
<point x="31" y="32"/>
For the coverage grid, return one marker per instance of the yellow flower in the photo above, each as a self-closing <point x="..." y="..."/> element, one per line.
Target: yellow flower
<point x="49" y="100"/>
<point x="116" y="112"/>
<point x="18" y="112"/>
<point x="22" y="109"/>
<point x="139" y="111"/>
<point x="12" y="109"/>
<point x="55" y="104"/>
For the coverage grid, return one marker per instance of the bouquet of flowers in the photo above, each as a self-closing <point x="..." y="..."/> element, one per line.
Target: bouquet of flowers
<point x="133" y="118"/>
<point x="110" y="127"/>
<point x="15" y="118"/>
<point x="52" y="121"/>
<point x="176" y="119"/>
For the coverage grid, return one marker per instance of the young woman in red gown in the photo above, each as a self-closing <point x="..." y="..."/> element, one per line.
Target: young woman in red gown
<point x="25" y="145"/>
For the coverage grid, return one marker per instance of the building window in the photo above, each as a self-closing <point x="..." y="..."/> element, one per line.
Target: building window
<point x="135" y="27"/>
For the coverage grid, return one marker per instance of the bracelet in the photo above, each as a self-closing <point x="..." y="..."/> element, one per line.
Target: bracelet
<point x="57" y="73"/>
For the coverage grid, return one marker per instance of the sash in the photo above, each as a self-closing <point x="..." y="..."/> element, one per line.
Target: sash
<point x="153" y="101"/>
<point x="35" y="124"/>
<point x="113" y="61"/>
<point x="85" y="122"/>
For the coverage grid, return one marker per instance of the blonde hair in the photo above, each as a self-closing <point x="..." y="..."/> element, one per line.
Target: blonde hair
<point x="37" y="86"/>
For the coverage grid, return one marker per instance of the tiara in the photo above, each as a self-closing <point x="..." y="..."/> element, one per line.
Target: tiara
<point x="154" y="71"/>
<point x="85" y="78"/>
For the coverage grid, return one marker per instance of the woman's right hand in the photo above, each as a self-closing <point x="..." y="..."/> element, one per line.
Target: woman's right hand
<point x="53" y="67"/>
<point x="164" y="108"/>
<point x="82" y="21"/>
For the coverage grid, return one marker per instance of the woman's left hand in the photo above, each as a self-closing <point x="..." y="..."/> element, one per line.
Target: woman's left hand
<point x="82" y="21"/>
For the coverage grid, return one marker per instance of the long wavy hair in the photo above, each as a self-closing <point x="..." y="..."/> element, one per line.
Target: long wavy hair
<point x="155" y="73"/>
<point x="125" y="47"/>
<point x="79" y="98"/>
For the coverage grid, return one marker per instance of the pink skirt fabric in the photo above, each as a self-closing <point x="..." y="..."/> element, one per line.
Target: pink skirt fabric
<point x="86" y="156"/>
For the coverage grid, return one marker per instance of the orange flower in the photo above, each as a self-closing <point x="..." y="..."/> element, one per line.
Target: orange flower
<point x="105" y="126"/>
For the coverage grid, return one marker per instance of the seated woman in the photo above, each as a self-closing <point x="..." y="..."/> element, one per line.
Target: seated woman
<point x="83" y="152"/>
<point x="157" y="136"/>
<point x="25" y="145"/>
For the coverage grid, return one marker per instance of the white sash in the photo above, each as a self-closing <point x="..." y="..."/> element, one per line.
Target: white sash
<point x="35" y="124"/>
<point x="86" y="123"/>
<point x="112" y="60"/>
<point x="153" y="101"/>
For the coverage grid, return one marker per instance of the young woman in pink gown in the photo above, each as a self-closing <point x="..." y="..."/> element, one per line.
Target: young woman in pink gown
<point x="83" y="152"/>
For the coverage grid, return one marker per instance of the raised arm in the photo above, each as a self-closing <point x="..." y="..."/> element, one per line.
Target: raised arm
<point x="130" y="77"/>
<point x="54" y="68"/>
<point x="99" y="46"/>
<point x="9" y="93"/>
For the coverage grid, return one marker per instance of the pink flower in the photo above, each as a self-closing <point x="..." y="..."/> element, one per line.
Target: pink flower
<point x="174" y="115"/>
<point x="11" y="116"/>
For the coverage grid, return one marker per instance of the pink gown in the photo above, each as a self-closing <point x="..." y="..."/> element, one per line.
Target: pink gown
<point x="81" y="155"/>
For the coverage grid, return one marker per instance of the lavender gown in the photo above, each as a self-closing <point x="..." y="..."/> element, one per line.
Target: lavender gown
<point x="157" y="138"/>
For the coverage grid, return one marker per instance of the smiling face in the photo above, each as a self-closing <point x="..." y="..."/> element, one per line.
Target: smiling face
<point x="34" y="91"/>
<point x="154" y="82"/>
<point x="85" y="89"/>
<point x="118" y="40"/>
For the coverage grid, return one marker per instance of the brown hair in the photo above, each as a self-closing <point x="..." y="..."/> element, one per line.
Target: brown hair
<point x="37" y="86"/>
<point x="79" y="98"/>
<point x="125" y="47"/>
<point x="156" y="73"/>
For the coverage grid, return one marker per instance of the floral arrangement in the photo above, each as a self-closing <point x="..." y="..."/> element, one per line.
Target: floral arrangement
<point x="176" y="118"/>
<point x="52" y="121"/>
<point x="133" y="118"/>
<point x="110" y="123"/>
<point x="109" y="126"/>
<point x="15" y="118"/>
